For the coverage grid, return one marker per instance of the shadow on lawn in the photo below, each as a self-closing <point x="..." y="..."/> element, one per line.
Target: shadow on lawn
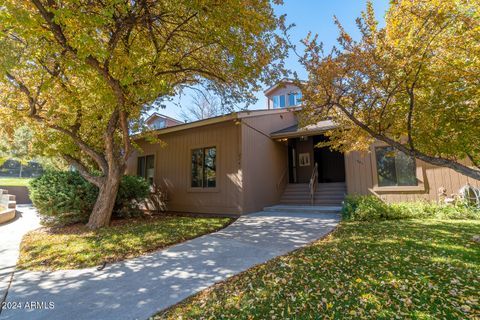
<point x="140" y="287"/>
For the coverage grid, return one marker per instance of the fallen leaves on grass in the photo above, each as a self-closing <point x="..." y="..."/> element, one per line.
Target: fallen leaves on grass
<point x="388" y="270"/>
<point x="76" y="246"/>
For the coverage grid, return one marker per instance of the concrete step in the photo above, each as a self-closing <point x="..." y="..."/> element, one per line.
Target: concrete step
<point x="4" y="191"/>
<point x="307" y="203"/>
<point x="7" y="215"/>
<point x="337" y="199"/>
<point x="303" y="209"/>
<point x="12" y="204"/>
<point x="11" y="197"/>
<point x="320" y="185"/>
<point x="320" y="193"/>
<point x="318" y="190"/>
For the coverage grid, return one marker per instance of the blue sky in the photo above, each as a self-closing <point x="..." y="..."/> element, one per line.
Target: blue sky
<point x="309" y="15"/>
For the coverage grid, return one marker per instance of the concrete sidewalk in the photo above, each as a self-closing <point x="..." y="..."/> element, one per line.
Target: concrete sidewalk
<point x="138" y="288"/>
<point x="11" y="234"/>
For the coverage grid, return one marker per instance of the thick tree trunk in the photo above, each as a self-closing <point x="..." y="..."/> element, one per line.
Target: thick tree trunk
<point x="102" y="211"/>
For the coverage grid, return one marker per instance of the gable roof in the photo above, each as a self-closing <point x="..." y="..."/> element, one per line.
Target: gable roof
<point x="159" y="115"/>
<point x="230" y="116"/>
<point x="279" y="84"/>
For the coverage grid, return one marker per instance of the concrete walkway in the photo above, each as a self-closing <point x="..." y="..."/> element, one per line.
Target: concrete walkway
<point x="138" y="288"/>
<point x="11" y="234"/>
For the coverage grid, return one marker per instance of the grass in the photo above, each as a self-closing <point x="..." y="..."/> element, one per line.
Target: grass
<point x="409" y="269"/>
<point x="14" y="182"/>
<point x="76" y="246"/>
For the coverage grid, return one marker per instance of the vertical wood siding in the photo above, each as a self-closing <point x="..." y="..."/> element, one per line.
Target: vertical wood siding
<point x="264" y="160"/>
<point x="173" y="168"/>
<point x="359" y="176"/>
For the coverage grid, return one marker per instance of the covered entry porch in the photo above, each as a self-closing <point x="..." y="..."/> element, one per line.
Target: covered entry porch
<point x="316" y="174"/>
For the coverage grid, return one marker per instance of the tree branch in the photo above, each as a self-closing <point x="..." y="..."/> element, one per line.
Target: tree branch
<point x="438" y="161"/>
<point x="98" y="181"/>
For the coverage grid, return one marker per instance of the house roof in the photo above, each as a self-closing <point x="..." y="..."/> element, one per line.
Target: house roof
<point x="159" y="115"/>
<point x="218" y="119"/>
<point x="279" y="84"/>
<point x="296" y="131"/>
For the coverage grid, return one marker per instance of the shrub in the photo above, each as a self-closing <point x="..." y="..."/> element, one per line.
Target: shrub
<point x="131" y="192"/>
<point x="62" y="197"/>
<point x="65" y="197"/>
<point x="367" y="208"/>
<point x="364" y="208"/>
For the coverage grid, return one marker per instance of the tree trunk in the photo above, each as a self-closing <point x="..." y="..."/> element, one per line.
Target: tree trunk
<point x="21" y="169"/>
<point x="102" y="211"/>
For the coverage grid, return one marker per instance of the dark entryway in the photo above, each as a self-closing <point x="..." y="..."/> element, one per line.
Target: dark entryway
<point x="302" y="156"/>
<point x="331" y="163"/>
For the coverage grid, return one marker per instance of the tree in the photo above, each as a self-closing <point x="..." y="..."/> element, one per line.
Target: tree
<point x="82" y="72"/>
<point x="413" y="84"/>
<point x="204" y="105"/>
<point x="19" y="147"/>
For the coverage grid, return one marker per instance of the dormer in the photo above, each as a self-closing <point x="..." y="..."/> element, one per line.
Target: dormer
<point x="284" y="94"/>
<point x="159" y="121"/>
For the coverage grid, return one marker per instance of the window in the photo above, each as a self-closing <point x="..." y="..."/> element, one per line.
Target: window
<point x="146" y="168"/>
<point x="291" y="99"/>
<point x="204" y="167"/>
<point x="159" y="124"/>
<point x="279" y="102"/>
<point x="395" y="168"/>
<point x="276" y="101"/>
<point x="294" y="99"/>
<point x="298" y="98"/>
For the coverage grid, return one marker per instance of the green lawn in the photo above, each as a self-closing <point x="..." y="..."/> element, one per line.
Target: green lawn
<point x="408" y="269"/>
<point x="14" y="182"/>
<point x="78" y="247"/>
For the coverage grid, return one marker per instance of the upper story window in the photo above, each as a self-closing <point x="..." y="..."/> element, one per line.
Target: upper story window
<point x="290" y="100"/>
<point x="279" y="102"/>
<point x="159" y="124"/>
<point x="204" y="167"/>
<point x="294" y="99"/>
<point x="395" y="168"/>
<point x="146" y="168"/>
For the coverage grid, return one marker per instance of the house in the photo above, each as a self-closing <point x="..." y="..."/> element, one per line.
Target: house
<point x="159" y="121"/>
<point x="244" y="161"/>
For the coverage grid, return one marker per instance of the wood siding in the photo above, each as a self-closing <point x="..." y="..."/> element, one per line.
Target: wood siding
<point x="173" y="168"/>
<point x="359" y="176"/>
<point x="264" y="160"/>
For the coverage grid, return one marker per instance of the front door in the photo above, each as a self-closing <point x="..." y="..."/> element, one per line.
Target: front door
<point x="331" y="163"/>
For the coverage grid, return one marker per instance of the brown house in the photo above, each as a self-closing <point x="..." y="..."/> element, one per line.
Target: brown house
<point x="242" y="162"/>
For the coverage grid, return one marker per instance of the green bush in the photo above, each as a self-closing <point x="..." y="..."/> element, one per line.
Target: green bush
<point x="364" y="208"/>
<point x="132" y="190"/>
<point x="65" y="197"/>
<point x="368" y="208"/>
<point x="62" y="197"/>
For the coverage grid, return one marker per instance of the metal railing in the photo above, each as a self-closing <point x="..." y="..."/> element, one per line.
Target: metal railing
<point x="283" y="180"/>
<point x="313" y="183"/>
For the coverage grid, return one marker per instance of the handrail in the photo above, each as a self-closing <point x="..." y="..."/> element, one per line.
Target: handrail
<point x="282" y="178"/>
<point x="313" y="183"/>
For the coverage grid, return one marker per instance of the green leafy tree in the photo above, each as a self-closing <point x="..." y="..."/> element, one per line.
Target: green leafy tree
<point x="19" y="147"/>
<point x="413" y="84"/>
<point x="82" y="72"/>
